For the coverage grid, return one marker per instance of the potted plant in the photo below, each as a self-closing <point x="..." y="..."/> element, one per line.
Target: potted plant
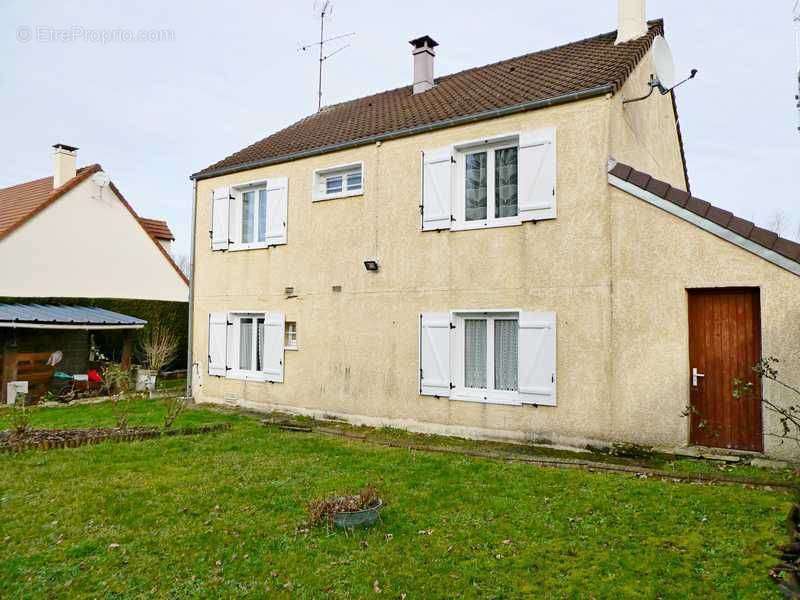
<point x="347" y="512"/>
<point x="158" y="348"/>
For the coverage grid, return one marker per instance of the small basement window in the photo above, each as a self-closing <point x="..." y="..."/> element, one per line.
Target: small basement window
<point x="339" y="182"/>
<point x="290" y="341"/>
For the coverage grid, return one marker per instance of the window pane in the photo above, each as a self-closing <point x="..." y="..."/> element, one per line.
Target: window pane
<point x="246" y="344"/>
<point x="475" y="191"/>
<point x="505" y="182"/>
<point x="262" y="215"/>
<point x="247" y="216"/>
<point x="354" y="181"/>
<point x="475" y="353"/>
<point x="259" y="344"/>
<point x="291" y="334"/>
<point x="505" y="354"/>
<point x="333" y="184"/>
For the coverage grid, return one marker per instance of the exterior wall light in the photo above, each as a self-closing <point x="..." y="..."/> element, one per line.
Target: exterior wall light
<point x="371" y="264"/>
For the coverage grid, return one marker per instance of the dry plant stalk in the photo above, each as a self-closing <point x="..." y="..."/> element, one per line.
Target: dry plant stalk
<point x="159" y="347"/>
<point x="321" y="511"/>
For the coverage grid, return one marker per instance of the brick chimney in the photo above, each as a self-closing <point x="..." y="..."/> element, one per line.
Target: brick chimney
<point x="423" y="55"/>
<point x="632" y="20"/>
<point x="64" y="164"/>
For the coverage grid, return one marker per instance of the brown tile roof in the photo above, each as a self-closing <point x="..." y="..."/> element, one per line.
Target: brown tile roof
<point x="581" y="69"/>
<point x="20" y="203"/>
<point x="157" y="229"/>
<point x="723" y="218"/>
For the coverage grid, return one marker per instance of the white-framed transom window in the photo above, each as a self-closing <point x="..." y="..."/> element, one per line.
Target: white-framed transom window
<point x="338" y="182"/>
<point x="487" y="192"/>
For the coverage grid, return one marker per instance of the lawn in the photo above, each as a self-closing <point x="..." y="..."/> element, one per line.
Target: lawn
<point x="222" y="515"/>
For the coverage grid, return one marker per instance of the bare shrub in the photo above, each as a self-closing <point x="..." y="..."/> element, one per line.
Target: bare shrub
<point x="175" y="405"/>
<point x="118" y="382"/>
<point x="20" y="414"/>
<point x="159" y="346"/>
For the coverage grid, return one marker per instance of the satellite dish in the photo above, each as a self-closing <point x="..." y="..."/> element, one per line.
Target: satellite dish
<point x="664" y="64"/>
<point x="100" y="179"/>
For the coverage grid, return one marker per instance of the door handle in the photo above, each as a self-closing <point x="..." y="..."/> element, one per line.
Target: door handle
<point x="696" y="376"/>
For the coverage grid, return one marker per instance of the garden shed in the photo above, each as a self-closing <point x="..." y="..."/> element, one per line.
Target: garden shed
<point x="37" y="341"/>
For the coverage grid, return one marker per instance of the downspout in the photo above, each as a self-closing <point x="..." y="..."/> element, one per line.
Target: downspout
<point x="190" y="344"/>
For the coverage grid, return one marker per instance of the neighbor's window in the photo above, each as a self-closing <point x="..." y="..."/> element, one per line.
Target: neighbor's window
<point x="254" y="215"/>
<point x="490" y="184"/>
<point x="251" y="342"/>
<point x="490" y="352"/>
<point x="338" y="182"/>
<point x="290" y="340"/>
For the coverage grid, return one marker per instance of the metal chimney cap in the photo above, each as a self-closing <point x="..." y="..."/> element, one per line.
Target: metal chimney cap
<point x="422" y="42"/>
<point x="65" y="147"/>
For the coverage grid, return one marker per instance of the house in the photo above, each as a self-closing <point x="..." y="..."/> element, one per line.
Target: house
<point x="79" y="268"/>
<point x="509" y="252"/>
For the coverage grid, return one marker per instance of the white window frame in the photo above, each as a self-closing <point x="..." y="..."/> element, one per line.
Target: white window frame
<point x="235" y="372"/>
<point x="457" y="358"/>
<point x="459" y="206"/>
<point x="288" y="345"/>
<point x="320" y="177"/>
<point x="237" y="206"/>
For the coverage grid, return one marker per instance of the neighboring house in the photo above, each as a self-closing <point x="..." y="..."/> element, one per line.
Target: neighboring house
<point x="470" y="255"/>
<point x="73" y="238"/>
<point x="75" y="235"/>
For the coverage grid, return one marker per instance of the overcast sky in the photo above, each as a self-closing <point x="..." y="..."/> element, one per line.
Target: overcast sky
<point x="217" y="76"/>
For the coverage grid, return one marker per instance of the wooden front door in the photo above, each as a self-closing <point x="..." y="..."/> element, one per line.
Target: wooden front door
<point x="724" y="344"/>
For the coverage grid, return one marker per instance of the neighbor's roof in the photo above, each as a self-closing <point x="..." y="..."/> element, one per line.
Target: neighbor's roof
<point x="20" y="203"/>
<point x="157" y="229"/>
<point x="712" y="218"/>
<point x="581" y="69"/>
<point x="65" y="317"/>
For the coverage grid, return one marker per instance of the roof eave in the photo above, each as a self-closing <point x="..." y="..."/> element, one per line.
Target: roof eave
<point x="593" y="92"/>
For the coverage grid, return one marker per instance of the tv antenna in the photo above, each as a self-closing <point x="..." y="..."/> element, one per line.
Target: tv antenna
<point x="664" y="77"/>
<point x="325" y="9"/>
<point x="796" y="20"/>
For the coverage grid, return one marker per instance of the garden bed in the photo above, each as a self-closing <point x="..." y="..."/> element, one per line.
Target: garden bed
<point x="46" y="439"/>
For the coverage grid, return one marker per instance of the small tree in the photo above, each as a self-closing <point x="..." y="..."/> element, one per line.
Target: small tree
<point x="159" y="346"/>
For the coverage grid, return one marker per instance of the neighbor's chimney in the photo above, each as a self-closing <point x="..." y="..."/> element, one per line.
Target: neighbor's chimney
<point x="632" y="20"/>
<point x="423" y="62"/>
<point x="64" y="159"/>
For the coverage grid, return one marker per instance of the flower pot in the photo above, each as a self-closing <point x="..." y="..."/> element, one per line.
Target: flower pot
<point x="145" y="380"/>
<point x="359" y="518"/>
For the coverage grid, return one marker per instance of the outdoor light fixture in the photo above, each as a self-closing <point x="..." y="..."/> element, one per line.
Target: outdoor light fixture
<point x="371" y="264"/>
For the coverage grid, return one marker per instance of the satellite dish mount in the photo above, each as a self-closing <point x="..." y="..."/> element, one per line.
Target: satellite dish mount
<point x="664" y="77"/>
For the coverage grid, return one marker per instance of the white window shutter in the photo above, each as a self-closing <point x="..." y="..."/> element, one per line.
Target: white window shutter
<point x="537" y="175"/>
<point x="274" y="324"/>
<point x="434" y="354"/>
<point x="437" y="188"/>
<point x="220" y="218"/>
<point x="277" y="205"/>
<point x="537" y="358"/>
<point x="217" y="344"/>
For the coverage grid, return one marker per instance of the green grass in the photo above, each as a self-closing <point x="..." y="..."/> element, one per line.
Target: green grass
<point x="221" y="515"/>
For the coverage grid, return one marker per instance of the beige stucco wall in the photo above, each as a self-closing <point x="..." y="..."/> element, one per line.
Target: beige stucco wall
<point x="86" y="245"/>
<point x="622" y="372"/>
<point x="358" y="348"/>
<point x="656" y="258"/>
